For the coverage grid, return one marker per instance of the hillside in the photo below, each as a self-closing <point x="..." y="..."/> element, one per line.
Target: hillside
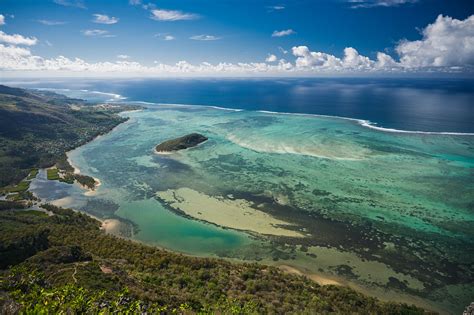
<point x="38" y="127"/>
<point x="65" y="262"/>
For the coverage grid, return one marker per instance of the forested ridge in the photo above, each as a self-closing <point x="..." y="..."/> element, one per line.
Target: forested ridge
<point x="63" y="262"/>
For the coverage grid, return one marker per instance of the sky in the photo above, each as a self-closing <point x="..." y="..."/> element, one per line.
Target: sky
<point x="235" y="37"/>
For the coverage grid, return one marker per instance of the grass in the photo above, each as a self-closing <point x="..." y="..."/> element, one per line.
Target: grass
<point x="53" y="174"/>
<point x="21" y="187"/>
<point x="14" y="197"/>
<point x="33" y="174"/>
<point x="35" y="213"/>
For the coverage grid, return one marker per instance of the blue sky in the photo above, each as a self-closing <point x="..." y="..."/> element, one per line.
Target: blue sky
<point x="165" y="32"/>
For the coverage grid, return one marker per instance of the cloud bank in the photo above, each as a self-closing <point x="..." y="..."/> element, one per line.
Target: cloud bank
<point x="446" y="45"/>
<point x="17" y="39"/>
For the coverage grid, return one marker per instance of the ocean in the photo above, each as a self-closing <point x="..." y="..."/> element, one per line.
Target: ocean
<point x="433" y="105"/>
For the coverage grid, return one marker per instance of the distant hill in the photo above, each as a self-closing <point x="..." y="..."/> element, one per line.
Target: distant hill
<point x="38" y="127"/>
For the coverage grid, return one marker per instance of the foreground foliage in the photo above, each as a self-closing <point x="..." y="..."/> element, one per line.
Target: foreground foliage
<point x="68" y="265"/>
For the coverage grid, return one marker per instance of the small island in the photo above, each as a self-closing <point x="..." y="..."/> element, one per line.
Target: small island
<point x="181" y="143"/>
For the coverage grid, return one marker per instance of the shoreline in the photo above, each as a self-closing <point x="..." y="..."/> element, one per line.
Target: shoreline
<point x="112" y="226"/>
<point x="77" y="170"/>
<point x="323" y="280"/>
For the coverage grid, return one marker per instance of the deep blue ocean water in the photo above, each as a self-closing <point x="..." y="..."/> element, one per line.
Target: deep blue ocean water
<point x="439" y="105"/>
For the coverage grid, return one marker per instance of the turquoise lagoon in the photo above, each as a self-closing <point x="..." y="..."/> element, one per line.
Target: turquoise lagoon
<point x="388" y="213"/>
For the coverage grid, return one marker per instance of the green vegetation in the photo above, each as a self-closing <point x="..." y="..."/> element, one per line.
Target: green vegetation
<point x="52" y="174"/>
<point x="18" y="192"/>
<point x="65" y="263"/>
<point x="85" y="180"/>
<point x="33" y="174"/>
<point x="64" y="173"/>
<point x="22" y="186"/>
<point x="181" y="143"/>
<point x="9" y="204"/>
<point x="37" y="128"/>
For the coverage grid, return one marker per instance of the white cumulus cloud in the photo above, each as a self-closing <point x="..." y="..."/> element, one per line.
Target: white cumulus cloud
<point x="353" y="60"/>
<point x="283" y="33"/>
<point x="446" y="42"/>
<point x="123" y="56"/>
<point x="2" y="19"/>
<point x="271" y="58"/>
<point x="172" y="15"/>
<point x="104" y="19"/>
<point x="312" y="60"/>
<point x="17" y="39"/>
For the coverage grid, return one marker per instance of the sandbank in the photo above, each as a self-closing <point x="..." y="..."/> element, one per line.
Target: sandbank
<point x="235" y="214"/>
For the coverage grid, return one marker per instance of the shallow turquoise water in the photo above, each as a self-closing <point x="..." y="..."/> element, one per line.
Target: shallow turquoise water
<point x="159" y="226"/>
<point x="403" y="200"/>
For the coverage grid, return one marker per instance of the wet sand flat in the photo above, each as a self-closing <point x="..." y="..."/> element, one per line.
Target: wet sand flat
<point x="234" y="214"/>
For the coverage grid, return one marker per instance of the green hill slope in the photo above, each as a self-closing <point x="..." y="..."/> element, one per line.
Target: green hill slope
<point x="64" y="262"/>
<point x="36" y="128"/>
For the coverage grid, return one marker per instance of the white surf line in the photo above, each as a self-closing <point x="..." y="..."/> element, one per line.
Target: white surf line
<point x="200" y="106"/>
<point x="369" y="124"/>
<point x="362" y="122"/>
<point x="188" y="105"/>
<point x="114" y="95"/>
<point x="51" y="89"/>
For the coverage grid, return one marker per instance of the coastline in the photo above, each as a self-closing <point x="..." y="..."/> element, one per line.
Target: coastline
<point x="112" y="226"/>
<point x="386" y="296"/>
<point x="77" y="170"/>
